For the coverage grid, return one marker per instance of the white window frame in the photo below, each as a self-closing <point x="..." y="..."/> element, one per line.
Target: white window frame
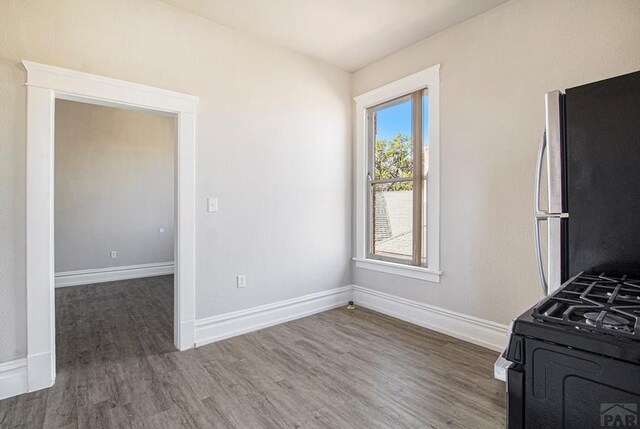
<point x="430" y="79"/>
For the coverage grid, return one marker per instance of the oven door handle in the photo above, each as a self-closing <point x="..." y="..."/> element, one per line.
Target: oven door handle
<point x="501" y="367"/>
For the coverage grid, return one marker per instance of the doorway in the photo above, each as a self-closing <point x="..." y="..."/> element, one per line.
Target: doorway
<point x="113" y="235"/>
<point x="45" y="85"/>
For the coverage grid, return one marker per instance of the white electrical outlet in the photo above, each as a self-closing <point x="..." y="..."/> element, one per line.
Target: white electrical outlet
<point x="114" y="254"/>
<point x="161" y="230"/>
<point x="242" y="280"/>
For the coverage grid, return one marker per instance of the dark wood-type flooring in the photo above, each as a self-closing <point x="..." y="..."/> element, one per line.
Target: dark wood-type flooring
<point x="340" y="369"/>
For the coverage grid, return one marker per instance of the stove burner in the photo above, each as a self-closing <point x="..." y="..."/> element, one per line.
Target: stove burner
<point x="609" y="321"/>
<point x="596" y="303"/>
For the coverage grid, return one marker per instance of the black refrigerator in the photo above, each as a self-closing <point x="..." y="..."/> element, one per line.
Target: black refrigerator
<point x="591" y="151"/>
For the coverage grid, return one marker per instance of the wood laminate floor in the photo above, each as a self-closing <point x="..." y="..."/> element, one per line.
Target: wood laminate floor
<point x="340" y="369"/>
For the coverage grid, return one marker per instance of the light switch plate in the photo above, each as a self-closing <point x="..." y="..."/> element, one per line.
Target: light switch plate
<point x="242" y="281"/>
<point x="212" y="205"/>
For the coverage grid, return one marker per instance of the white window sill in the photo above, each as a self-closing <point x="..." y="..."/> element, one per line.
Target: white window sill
<point x="399" y="269"/>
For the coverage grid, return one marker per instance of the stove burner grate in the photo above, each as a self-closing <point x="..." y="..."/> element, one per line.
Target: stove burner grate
<point x="599" y="303"/>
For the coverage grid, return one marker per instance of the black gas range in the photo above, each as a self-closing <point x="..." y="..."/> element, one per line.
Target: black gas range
<point x="575" y="357"/>
<point x="573" y="360"/>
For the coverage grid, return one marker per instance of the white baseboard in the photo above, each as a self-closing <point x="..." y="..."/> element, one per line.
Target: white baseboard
<point x="468" y="328"/>
<point x="101" y="275"/>
<point x="228" y="325"/>
<point x="13" y="378"/>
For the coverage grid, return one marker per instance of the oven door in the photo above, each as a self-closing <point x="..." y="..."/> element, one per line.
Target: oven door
<point x="571" y="389"/>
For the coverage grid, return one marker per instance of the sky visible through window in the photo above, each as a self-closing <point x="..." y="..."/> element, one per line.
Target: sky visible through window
<point x="397" y="119"/>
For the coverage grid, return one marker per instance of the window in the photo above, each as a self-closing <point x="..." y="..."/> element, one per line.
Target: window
<point x="397" y="185"/>
<point x="397" y="179"/>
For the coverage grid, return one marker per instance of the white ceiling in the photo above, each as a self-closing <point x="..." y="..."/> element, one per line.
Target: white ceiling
<point x="347" y="33"/>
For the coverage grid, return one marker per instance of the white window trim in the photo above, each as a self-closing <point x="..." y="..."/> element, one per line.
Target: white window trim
<point x="428" y="78"/>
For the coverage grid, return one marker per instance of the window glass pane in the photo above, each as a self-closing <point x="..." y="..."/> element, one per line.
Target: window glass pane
<point x="423" y="262"/>
<point x="392" y="220"/>
<point x="425" y="132"/>
<point x="425" y="171"/>
<point x="392" y="136"/>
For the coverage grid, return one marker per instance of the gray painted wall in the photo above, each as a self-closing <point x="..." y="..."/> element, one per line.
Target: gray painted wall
<point x="495" y="71"/>
<point x="273" y="145"/>
<point x="113" y="187"/>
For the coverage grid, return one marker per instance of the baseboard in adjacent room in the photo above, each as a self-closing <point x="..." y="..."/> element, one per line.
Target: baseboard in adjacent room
<point x="13" y="378"/>
<point x="478" y="331"/>
<point x="228" y="325"/>
<point x="101" y="275"/>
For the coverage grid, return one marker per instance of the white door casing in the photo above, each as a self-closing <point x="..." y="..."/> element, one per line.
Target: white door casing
<point x="45" y="84"/>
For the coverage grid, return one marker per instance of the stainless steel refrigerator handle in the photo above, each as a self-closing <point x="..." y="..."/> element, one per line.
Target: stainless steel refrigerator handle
<point x="540" y="214"/>
<point x="543" y="214"/>
<point x="543" y="280"/>
<point x="541" y="149"/>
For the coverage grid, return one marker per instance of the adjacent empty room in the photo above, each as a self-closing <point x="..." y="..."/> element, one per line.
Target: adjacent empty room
<point x="114" y="234"/>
